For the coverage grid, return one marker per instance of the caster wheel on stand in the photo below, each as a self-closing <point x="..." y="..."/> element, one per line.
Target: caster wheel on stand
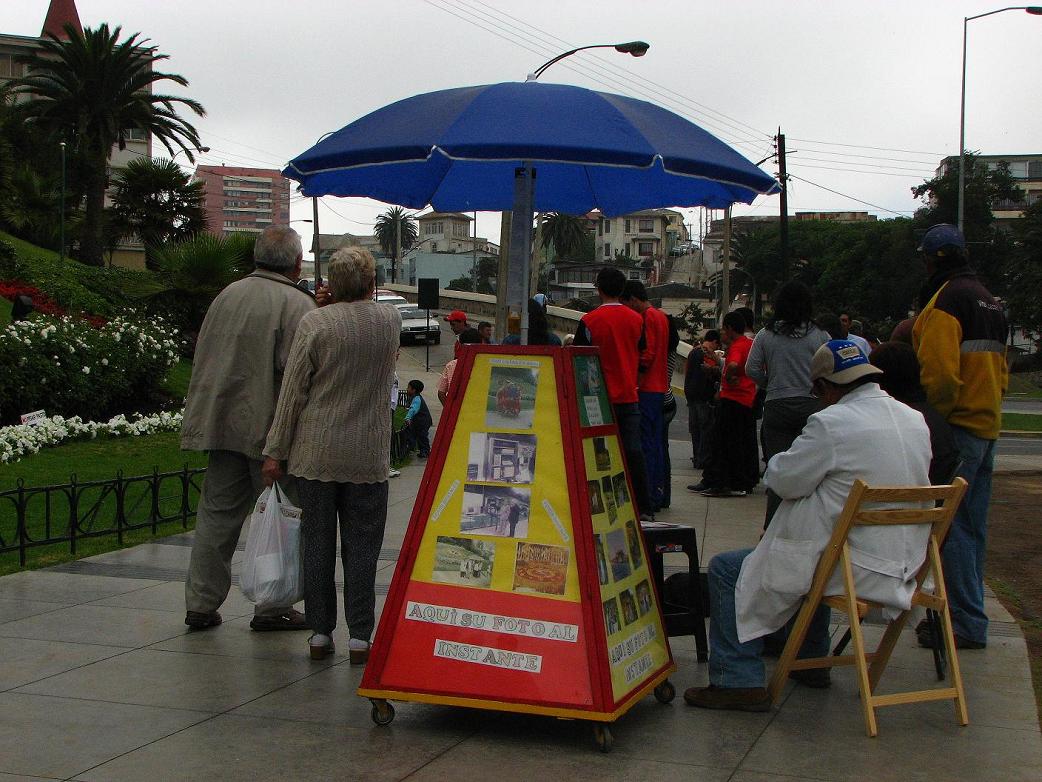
<point x="382" y="713"/>
<point x="602" y="736"/>
<point x="665" y="692"/>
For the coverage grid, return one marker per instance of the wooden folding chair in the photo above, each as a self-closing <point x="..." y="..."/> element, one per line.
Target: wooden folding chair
<point x="870" y="666"/>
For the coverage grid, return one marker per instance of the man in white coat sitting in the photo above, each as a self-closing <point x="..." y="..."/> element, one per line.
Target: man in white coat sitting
<point x="862" y="433"/>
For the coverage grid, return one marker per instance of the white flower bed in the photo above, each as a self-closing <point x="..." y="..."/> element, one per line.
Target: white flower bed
<point x="24" y="440"/>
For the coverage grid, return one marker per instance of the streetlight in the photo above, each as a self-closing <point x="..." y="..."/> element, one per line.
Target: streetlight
<point x="1034" y="10"/>
<point x="634" y="48"/>
<point x="204" y="150"/>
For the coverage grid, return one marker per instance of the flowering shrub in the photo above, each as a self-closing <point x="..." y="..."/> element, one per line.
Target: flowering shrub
<point x="70" y="368"/>
<point x="23" y="440"/>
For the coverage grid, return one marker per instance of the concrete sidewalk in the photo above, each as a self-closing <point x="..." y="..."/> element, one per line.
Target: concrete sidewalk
<point x="100" y="680"/>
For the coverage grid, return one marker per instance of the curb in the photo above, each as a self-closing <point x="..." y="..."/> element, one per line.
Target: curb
<point x="1022" y="434"/>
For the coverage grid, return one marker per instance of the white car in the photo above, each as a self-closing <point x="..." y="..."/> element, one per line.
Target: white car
<point x="416" y="329"/>
<point x="395" y="300"/>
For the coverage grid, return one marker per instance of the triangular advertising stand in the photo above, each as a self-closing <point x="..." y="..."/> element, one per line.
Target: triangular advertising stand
<point x="523" y="583"/>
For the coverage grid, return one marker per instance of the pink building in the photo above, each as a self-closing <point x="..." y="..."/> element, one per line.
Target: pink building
<point x="243" y="199"/>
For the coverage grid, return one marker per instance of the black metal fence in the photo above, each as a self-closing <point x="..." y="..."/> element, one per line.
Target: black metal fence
<point x="71" y="512"/>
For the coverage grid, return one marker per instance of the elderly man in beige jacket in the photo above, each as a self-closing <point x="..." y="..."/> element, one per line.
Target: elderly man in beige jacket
<point x="237" y="373"/>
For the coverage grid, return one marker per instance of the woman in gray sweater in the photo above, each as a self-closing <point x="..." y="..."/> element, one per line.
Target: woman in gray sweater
<point x="332" y="431"/>
<point x="779" y="361"/>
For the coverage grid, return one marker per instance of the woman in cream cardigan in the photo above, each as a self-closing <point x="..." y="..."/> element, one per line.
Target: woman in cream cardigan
<point x="331" y="431"/>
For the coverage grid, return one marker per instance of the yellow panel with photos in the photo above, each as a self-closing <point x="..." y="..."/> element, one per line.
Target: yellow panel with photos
<point x="501" y="517"/>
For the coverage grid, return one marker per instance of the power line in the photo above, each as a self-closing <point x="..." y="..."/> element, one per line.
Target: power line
<point x="852" y="198"/>
<point x="859" y="171"/>
<point x="878" y="149"/>
<point x="859" y="163"/>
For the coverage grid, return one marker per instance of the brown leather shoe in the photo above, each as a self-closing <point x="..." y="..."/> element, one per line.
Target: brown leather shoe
<point x="290" y="620"/>
<point x="729" y="698"/>
<point x="321" y="651"/>
<point x="202" y="620"/>
<point x="359" y="656"/>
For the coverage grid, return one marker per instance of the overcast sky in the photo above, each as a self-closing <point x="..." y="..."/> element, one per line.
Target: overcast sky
<point x="867" y="93"/>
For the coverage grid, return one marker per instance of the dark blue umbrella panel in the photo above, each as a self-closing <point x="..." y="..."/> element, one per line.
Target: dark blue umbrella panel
<point x="457" y="149"/>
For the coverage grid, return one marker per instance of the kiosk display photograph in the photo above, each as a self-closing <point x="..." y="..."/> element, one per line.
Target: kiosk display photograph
<point x="609" y="499"/>
<point x="622" y="494"/>
<point x="633" y="540"/>
<point x="501" y="458"/>
<point x="601" y="455"/>
<point x="596" y="502"/>
<point x="617" y="556"/>
<point x="612" y="624"/>
<point x="602" y="561"/>
<point x="629" y="606"/>
<point x="500" y="511"/>
<point x="540" y="568"/>
<point x="511" y="397"/>
<point x="643" y="597"/>
<point x="463" y="562"/>
<point x="594" y="407"/>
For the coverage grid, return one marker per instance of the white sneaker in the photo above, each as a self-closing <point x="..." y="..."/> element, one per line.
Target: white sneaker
<point x="394" y="473"/>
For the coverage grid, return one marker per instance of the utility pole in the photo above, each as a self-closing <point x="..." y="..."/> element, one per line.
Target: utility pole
<point x="474" y="256"/>
<point x="316" y="250"/>
<point x="62" y="230"/>
<point x="397" y="248"/>
<point x="784" y="224"/>
<point x="725" y="268"/>
<point x="502" y="304"/>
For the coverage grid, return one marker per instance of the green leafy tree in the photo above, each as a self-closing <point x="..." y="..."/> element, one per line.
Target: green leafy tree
<point x="1024" y="271"/>
<point x="156" y="201"/>
<point x="393" y="225"/>
<point x="567" y="235"/>
<point x="460" y="284"/>
<point x="94" y="89"/>
<point x="31" y="206"/>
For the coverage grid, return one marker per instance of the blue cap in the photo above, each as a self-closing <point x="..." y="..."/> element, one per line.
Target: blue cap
<point x="840" y="361"/>
<point x="942" y="235"/>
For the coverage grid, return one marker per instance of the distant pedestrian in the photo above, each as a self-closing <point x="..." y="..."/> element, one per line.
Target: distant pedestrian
<point x="779" y="362"/>
<point x="457" y="320"/>
<point x="445" y="384"/>
<point x="617" y="331"/>
<point x="669" y="412"/>
<point x="485" y="330"/>
<point x="652" y="382"/>
<point x="852" y="330"/>
<point x="959" y="339"/>
<point x="701" y="382"/>
<point x="734" y="467"/>
<point x="538" y="328"/>
<point x="418" y="421"/>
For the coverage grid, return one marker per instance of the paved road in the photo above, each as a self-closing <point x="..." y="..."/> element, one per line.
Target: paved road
<point x="1022" y="406"/>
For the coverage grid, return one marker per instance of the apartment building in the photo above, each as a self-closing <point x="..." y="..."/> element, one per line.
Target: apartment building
<point x="646" y="235"/>
<point x="243" y="199"/>
<point x="1026" y="169"/>
<point x="450" y="232"/>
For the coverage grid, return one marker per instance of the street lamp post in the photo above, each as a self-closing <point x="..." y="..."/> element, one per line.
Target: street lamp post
<point x="1034" y="10"/>
<point x="634" y="48"/>
<point x="204" y="150"/>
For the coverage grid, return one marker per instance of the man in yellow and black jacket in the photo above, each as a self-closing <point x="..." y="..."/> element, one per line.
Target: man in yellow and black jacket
<point x="959" y="338"/>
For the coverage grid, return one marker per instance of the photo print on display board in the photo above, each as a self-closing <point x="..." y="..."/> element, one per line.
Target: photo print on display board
<point x="617" y="556"/>
<point x="629" y="607"/>
<point x="612" y="624"/>
<point x="600" y="454"/>
<point x="609" y="499"/>
<point x="501" y="458"/>
<point x="540" y="568"/>
<point x="511" y="397"/>
<point x="596" y="502"/>
<point x="594" y="407"/>
<point x="622" y="494"/>
<point x="633" y="541"/>
<point x="463" y="562"/>
<point x="602" y="561"/>
<point x="643" y="597"/>
<point x="499" y="511"/>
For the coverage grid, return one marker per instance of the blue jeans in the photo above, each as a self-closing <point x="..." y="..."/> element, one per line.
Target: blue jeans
<point x="650" y="403"/>
<point x="963" y="552"/>
<point x="731" y="662"/>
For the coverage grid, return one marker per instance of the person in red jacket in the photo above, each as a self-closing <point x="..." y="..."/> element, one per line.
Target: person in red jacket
<point x="734" y="467"/>
<point x="617" y="331"/>
<point x="652" y="384"/>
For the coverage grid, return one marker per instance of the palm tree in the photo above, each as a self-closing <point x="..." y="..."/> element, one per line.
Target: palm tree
<point x="393" y="227"/>
<point x="157" y="202"/>
<point x="567" y="234"/>
<point x="93" y="90"/>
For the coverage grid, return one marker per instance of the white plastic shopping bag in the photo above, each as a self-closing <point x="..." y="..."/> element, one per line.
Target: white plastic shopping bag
<point x="271" y="569"/>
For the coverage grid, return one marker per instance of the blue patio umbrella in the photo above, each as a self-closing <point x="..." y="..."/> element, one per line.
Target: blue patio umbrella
<point x="457" y="150"/>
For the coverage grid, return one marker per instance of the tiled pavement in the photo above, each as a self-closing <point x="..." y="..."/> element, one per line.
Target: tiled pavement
<point x="99" y="680"/>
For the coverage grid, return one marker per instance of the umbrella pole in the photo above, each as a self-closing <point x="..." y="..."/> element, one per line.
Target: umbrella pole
<point x="521" y="243"/>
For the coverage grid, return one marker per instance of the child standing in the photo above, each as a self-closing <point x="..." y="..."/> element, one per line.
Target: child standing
<point x="418" y="421"/>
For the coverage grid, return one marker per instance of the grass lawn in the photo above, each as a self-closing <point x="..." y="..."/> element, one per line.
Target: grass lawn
<point x="1022" y="388"/>
<point x="93" y="460"/>
<point x="1023" y="422"/>
<point x="5" y="312"/>
<point x="177" y="379"/>
<point x="28" y="251"/>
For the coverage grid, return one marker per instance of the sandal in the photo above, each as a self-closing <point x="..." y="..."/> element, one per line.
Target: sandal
<point x="321" y="651"/>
